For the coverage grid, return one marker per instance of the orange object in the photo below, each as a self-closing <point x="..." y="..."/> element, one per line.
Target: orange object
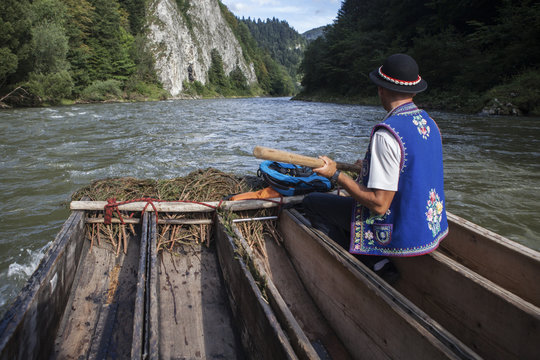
<point x="266" y="193"/>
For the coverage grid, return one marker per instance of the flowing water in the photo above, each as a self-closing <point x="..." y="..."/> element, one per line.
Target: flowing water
<point x="492" y="164"/>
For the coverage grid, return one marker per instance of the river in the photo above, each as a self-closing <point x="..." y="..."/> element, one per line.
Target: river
<point x="492" y="164"/>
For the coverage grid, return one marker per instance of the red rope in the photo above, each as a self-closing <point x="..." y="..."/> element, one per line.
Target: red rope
<point x="112" y="206"/>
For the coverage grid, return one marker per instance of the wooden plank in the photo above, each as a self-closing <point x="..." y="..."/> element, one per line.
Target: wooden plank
<point x="41" y="303"/>
<point x="489" y="319"/>
<point x="98" y="321"/>
<point x="260" y="332"/>
<point x="298" y="339"/>
<point x="282" y="274"/>
<point x="372" y="319"/>
<point x="505" y="262"/>
<point x="175" y="221"/>
<point x="152" y="311"/>
<point x="194" y="318"/>
<point x="173" y="206"/>
<point x="138" y="341"/>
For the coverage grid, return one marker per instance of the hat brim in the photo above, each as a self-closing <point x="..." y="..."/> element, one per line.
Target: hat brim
<point x="414" y="89"/>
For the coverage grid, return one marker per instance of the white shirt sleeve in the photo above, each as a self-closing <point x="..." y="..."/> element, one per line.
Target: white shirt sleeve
<point x="385" y="161"/>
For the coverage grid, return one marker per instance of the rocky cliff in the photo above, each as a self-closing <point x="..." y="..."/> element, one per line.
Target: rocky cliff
<point x="182" y="42"/>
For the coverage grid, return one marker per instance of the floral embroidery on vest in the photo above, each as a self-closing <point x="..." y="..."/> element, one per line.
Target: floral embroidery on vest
<point x="434" y="212"/>
<point x="421" y="123"/>
<point x="368" y="235"/>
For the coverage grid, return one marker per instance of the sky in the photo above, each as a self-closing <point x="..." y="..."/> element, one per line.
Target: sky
<point x="302" y="15"/>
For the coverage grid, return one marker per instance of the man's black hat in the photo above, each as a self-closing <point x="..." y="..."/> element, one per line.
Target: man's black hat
<point x="399" y="73"/>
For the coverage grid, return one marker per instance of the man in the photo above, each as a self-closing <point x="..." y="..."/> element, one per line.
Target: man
<point x="397" y="206"/>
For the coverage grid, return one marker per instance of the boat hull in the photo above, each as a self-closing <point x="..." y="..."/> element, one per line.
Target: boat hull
<point x="307" y="299"/>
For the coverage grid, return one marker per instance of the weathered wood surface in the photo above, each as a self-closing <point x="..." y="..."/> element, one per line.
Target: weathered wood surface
<point x="371" y="318"/>
<point x="261" y="152"/>
<point x="172" y="206"/>
<point x="193" y="317"/>
<point x="176" y="221"/>
<point x="28" y="327"/>
<point x="479" y="287"/>
<point x="99" y="319"/>
<point x="287" y="319"/>
<point x="139" y="341"/>
<point x="505" y="262"/>
<point x="308" y="331"/>
<point x="261" y="334"/>
<point x="494" y="322"/>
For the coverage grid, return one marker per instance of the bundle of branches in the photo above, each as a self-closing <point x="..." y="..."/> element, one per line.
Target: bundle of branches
<point x="200" y="185"/>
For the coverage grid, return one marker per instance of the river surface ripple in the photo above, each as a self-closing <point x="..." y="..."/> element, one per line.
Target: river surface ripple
<point x="492" y="167"/>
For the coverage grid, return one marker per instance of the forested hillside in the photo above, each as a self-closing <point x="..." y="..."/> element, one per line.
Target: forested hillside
<point x="474" y="54"/>
<point x="284" y="44"/>
<point x="96" y="50"/>
<point x="65" y="49"/>
<point x="271" y="75"/>
<point x="313" y="34"/>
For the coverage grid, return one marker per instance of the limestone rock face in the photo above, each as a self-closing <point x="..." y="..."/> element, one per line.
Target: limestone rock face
<point x="182" y="43"/>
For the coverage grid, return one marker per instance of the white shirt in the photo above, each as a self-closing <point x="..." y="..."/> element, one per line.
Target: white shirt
<point x="385" y="161"/>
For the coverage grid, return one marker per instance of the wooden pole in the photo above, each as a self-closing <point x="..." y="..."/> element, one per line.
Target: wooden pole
<point x="177" y="221"/>
<point x="172" y="206"/>
<point x="261" y="152"/>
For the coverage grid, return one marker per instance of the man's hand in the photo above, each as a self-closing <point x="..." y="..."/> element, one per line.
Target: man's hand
<point x="328" y="169"/>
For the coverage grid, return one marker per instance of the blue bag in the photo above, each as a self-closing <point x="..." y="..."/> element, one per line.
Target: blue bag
<point x="289" y="179"/>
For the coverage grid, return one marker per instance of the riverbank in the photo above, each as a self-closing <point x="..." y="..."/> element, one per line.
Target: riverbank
<point x="506" y="100"/>
<point x="124" y="98"/>
<point x="519" y="97"/>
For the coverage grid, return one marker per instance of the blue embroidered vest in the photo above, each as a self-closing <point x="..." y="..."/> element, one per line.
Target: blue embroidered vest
<point x="416" y="220"/>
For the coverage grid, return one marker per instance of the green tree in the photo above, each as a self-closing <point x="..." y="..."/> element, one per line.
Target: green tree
<point x="50" y="88"/>
<point x="49" y="48"/>
<point x="137" y="13"/>
<point x="49" y="39"/>
<point x="271" y="79"/>
<point x="49" y="79"/>
<point x="15" y="38"/>
<point x="8" y="63"/>
<point x="463" y="48"/>
<point x="216" y="73"/>
<point x="283" y="43"/>
<point x="109" y="43"/>
<point x="78" y="30"/>
<point x="238" y="80"/>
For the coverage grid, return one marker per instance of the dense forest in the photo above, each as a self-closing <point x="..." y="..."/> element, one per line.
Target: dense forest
<point x="272" y="76"/>
<point x="52" y="50"/>
<point x="474" y="54"/>
<point x="284" y="44"/>
<point x="94" y="50"/>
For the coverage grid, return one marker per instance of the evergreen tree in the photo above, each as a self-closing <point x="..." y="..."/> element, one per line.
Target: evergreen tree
<point x="78" y="30"/>
<point x="15" y="38"/>
<point x="49" y="40"/>
<point x="137" y="13"/>
<point x="50" y="80"/>
<point x="109" y="43"/>
<point x="281" y="41"/>
<point x="270" y="76"/>
<point x="465" y="48"/>
<point x="216" y="73"/>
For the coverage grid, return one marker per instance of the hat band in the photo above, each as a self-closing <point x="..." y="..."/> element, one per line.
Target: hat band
<point x="399" y="82"/>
